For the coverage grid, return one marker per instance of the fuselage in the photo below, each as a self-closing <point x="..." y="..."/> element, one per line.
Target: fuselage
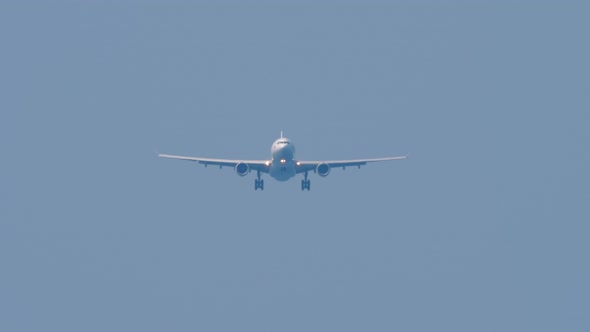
<point x="282" y="166"/>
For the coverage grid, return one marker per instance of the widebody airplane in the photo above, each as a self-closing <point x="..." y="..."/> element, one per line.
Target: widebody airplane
<point x="282" y="166"/>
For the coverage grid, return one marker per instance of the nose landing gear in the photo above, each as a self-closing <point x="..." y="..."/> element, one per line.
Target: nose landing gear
<point x="305" y="183"/>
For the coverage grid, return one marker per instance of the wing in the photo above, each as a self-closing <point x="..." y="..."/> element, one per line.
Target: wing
<point x="306" y="166"/>
<point x="257" y="165"/>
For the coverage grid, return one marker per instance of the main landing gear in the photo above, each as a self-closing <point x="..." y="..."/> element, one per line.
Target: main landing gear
<point x="305" y="183"/>
<point x="258" y="183"/>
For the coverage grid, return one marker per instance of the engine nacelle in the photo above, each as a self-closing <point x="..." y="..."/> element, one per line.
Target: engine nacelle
<point x="242" y="169"/>
<point x="323" y="169"/>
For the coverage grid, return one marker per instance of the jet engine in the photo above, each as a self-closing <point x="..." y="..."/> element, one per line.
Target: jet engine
<point x="242" y="169"/>
<point x="323" y="169"/>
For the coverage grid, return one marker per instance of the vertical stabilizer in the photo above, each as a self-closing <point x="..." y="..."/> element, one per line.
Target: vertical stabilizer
<point x="281" y="134"/>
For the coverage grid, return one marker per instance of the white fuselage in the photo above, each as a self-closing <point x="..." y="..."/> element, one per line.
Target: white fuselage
<point x="282" y="166"/>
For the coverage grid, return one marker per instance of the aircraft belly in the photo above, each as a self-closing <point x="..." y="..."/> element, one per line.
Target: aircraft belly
<point x="282" y="172"/>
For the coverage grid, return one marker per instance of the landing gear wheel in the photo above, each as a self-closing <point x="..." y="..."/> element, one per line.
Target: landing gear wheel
<point x="258" y="183"/>
<point x="305" y="183"/>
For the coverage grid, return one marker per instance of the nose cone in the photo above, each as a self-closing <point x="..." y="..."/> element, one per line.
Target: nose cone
<point x="283" y="149"/>
<point x="286" y="152"/>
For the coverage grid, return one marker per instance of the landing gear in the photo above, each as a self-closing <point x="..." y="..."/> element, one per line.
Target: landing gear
<point x="305" y="183"/>
<point x="258" y="183"/>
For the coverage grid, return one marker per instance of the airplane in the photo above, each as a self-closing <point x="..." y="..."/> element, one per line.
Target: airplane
<point x="282" y="166"/>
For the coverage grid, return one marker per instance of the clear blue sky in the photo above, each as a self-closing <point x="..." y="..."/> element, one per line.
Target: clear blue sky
<point x="485" y="228"/>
